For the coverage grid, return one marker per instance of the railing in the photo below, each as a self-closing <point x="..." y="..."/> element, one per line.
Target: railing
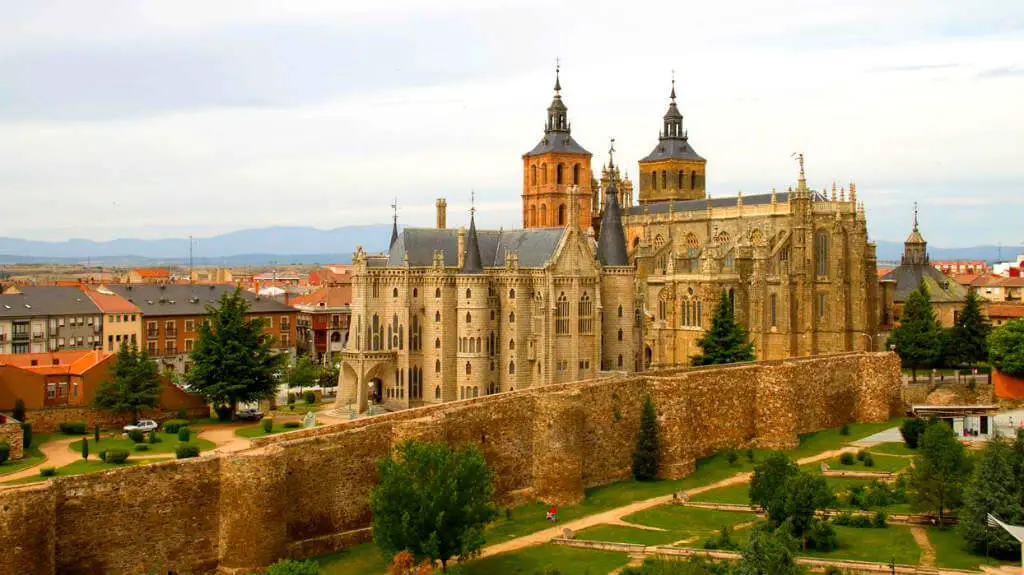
<point x="37" y="337"/>
<point x="20" y="336"/>
<point x="286" y="327"/>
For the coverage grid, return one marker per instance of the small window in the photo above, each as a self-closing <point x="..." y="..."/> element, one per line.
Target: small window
<point x="469" y="317"/>
<point x="437" y="366"/>
<point x="620" y="310"/>
<point x="469" y="368"/>
<point x="437" y="392"/>
<point x="511" y="317"/>
<point x="512" y="368"/>
<point x="469" y="293"/>
<point x="511" y="344"/>
<point x="437" y="317"/>
<point x="415" y="292"/>
<point x="620" y="360"/>
<point x="512" y="293"/>
<point x="437" y="343"/>
<point x="620" y="334"/>
<point x="437" y="293"/>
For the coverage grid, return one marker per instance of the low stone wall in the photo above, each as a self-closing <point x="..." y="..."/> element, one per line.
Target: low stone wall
<point x="305" y="493"/>
<point x="11" y="433"/>
<point x="48" y="420"/>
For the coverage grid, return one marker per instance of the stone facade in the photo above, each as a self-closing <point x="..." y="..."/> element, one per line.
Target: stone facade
<point x="49" y="420"/>
<point x="11" y="433"/>
<point x="305" y="493"/>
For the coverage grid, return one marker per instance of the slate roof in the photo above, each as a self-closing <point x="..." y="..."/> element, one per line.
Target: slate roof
<point x="941" y="289"/>
<point x="35" y="301"/>
<point x="557" y="141"/>
<point x="534" y="246"/>
<point x="672" y="149"/>
<point x="611" y="242"/>
<point x="724" y="202"/>
<point x="189" y="299"/>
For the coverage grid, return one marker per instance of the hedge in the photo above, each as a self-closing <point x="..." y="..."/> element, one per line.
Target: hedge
<point x="186" y="450"/>
<point x="172" y="425"/>
<point x="73" y="428"/>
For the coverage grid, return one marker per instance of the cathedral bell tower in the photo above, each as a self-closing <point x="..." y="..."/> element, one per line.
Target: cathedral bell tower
<point x="552" y="167"/>
<point x="673" y="171"/>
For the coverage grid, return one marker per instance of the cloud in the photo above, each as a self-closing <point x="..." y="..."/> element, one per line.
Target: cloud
<point x="1003" y="72"/>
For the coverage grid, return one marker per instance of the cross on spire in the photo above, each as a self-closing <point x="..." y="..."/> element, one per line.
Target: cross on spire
<point x="472" y="203"/>
<point x="611" y="152"/>
<point x="915" y="216"/>
<point x="394" y="209"/>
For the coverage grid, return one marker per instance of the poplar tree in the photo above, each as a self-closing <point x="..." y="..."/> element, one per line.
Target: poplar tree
<point x="1006" y="347"/>
<point x="918" y="337"/>
<point x="940" y="470"/>
<point x="645" y="456"/>
<point x="968" y="339"/>
<point x="135" y="383"/>
<point x="992" y="489"/>
<point x="726" y="341"/>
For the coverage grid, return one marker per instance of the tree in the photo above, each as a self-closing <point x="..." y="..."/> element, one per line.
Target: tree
<point x="433" y="501"/>
<point x="993" y="489"/>
<point x="328" y="376"/>
<point x="19" y="410"/>
<point x="85" y="448"/>
<point x="803" y="495"/>
<point x="726" y="341"/>
<point x="135" y="383"/>
<point x="918" y="337"/>
<point x="303" y="373"/>
<point x="967" y="343"/>
<point x="645" y="455"/>
<point x="1006" y="347"/>
<point x="940" y="470"/>
<point x="233" y="359"/>
<point x="769" y="553"/>
<point x="768" y="482"/>
<point x="911" y="430"/>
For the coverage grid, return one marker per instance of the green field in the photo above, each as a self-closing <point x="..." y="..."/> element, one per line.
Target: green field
<point x="567" y="560"/>
<point x="257" y="430"/>
<point x="82" y="467"/>
<point x="883" y="464"/>
<point x="623" y="534"/>
<point x="168" y="444"/>
<point x="689" y="521"/>
<point x="951" y="553"/>
<point x="878" y="545"/>
<point x="33" y="456"/>
<point x="363" y="559"/>
<point x="892" y="449"/>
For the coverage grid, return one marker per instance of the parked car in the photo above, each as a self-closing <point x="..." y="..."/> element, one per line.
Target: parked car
<point x="144" y="425"/>
<point x="249" y="414"/>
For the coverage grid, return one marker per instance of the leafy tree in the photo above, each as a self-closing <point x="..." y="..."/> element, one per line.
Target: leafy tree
<point x="803" y="495"/>
<point x="19" y="409"/>
<point x="967" y="342"/>
<point x="645" y="455"/>
<point x="769" y="553"/>
<point x="1006" y="347"/>
<point x="233" y="359"/>
<point x="328" y="376"/>
<point x="992" y="489"/>
<point x="433" y="501"/>
<point x="918" y="337"/>
<point x="303" y="373"/>
<point x="135" y="384"/>
<point x="940" y="470"/>
<point x="768" y="483"/>
<point x="911" y="430"/>
<point x="1018" y="463"/>
<point x="726" y="341"/>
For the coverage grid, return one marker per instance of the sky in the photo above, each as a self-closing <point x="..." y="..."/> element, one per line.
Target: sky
<point x="134" y="118"/>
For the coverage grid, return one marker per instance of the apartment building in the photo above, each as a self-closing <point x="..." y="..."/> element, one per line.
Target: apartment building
<point x="171" y="314"/>
<point x="323" y="321"/>
<point x="38" y="319"/>
<point x="122" y="320"/>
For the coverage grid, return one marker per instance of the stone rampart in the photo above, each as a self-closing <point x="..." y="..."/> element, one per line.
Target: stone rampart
<point x="305" y="493"/>
<point x="48" y="420"/>
<point x="11" y="432"/>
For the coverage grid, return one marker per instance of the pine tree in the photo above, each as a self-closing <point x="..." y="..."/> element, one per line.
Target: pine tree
<point x="918" y="337"/>
<point x="726" y="341"/>
<point x="233" y="360"/>
<point x="85" y="448"/>
<point x="968" y="339"/>
<point x="136" y="383"/>
<point x="645" y="456"/>
<point x="992" y="489"/>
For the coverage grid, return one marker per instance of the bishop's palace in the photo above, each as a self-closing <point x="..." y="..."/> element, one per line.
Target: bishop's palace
<point x="594" y="282"/>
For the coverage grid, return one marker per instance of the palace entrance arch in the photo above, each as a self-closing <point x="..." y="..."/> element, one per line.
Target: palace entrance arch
<point x="362" y="377"/>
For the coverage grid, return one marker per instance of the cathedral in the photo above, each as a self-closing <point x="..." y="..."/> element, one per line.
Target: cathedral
<point x="595" y="283"/>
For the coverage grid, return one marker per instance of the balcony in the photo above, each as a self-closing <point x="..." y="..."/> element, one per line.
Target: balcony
<point x="285" y="327"/>
<point x="152" y="333"/>
<point x="37" y="336"/>
<point x="20" y="336"/>
<point x="170" y="333"/>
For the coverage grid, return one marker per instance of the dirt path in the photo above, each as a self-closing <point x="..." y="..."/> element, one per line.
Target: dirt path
<point x="927" y="551"/>
<point x="223" y="436"/>
<point x="57" y="455"/>
<point x="614" y="516"/>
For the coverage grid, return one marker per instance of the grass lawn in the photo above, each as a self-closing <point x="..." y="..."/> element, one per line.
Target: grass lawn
<point x="892" y="449"/>
<point x="951" y="553"/>
<point x="257" y="430"/>
<point x="168" y="445"/>
<point x="301" y="407"/>
<point x="623" y="534"/>
<point x="363" y="559"/>
<point x="82" y="466"/>
<point x="883" y="464"/>
<point x="688" y="521"/>
<point x="739" y="494"/>
<point x="567" y="560"/>
<point x="33" y="456"/>
<point x="828" y="439"/>
<point x="878" y="545"/>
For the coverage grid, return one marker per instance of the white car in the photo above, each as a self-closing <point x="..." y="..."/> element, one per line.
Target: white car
<point x="144" y="425"/>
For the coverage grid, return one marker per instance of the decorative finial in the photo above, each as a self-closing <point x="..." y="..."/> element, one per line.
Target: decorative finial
<point x="472" y="203"/>
<point x="673" y="95"/>
<point x="915" y="216"/>
<point x="833" y="190"/>
<point x="611" y="151"/>
<point x="558" y="69"/>
<point x="394" y="209"/>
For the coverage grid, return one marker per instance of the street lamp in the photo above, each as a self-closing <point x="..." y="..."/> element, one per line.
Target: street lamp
<point x="871" y="341"/>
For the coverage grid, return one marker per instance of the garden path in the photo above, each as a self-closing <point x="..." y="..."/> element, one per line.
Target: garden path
<point x="927" y="551"/>
<point x="223" y="436"/>
<point x="57" y="455"/>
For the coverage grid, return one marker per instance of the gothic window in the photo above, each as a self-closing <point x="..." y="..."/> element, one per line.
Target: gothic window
<point x="636" y="243"/>
<point x="414" y="334"/>
<point x="684" y="318"/>
<point x="722" y="238"/>
<point x="462" y="344"/>
<point x="562" y="315"/>
<point x="469" y="317"/>
<point x="730" y="261"/>
<point x="394" y="293"/>
<point x="462" y="393"/>
<point x="620" y="310"/>
<point x="620" y="360"/>
<point x="693" y="180"/>
<point x="620" y="334"/>
<point x="822" y="306"/>
<point x="476" y="391"/>
<point x="437" y="343"/>
<point x="533" y="216"/>
<point x="359" y="330"/>
<point x="512" y="367"/>
<point x="376" y="290"/>
<point x="773" y="309"/>
<point x="511" y="344"/>
<point x="479" y="344"/>
<point x="544" y="173"/>
<point x="680" y="184"/>
<point x="586" y="314"/>
<point x="469" y="293"/>
<point x="397" y="329"/>
<point x="375" y="333"/>
<point x="543" y="215"/>
<point x="437" y="293"/>
<point x="662" y="309"/>
<point x="512" y="294"/>
<point x="533" y="175"/>
<point x="576" y="174"/>
<point x="437" y="392"/>
<point x="561" y="215"/>
<point x="821" y="253"/>
<point x="654" y="180"/>
<point x="700" y="315"/>
<point x="437" y="317"/>
<point x="469" y="368"/>
<point x="558" y="174"/>
<point x="511" y="317"/>
<point x="664" y="179"/>
<point x="437" y="366"/>
<point x="492" y="315"/>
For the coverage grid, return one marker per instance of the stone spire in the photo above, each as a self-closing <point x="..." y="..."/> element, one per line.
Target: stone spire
<point x="673" y="128"/>
<point x="472" y="263"/>
<point x="611" y="241"/>
<point x="558" y="114"/>
<point x="394" y="225"/>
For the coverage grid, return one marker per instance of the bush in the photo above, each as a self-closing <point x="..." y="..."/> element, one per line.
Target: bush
<point x="223" y="412"/>
<point x="186" y="450"/>
<point x="822" y="537"/>
<point x="137" y="436"/>
<point x="860" y="521"/>
<point x="731" y="456"/>
<point x="911" y="430"/>
<point x="154" y="438"/>
<point x="173" y="425"/>
<point x="103" y="455"/>
<point x="267" y="423"/>
<point x="182" y="414"/>
<point x="19" y="410"/>
<point x="184" y="434"/>
<point x="5" y="451"/>
<point x="85" y="448"/>
<point x="843" y="518"/>
<point x="73" y="428"/>
<point x="861" y="454"/>
<point x="750" y="454"/>
<point x="293" y="567"/>
<point x="47" y="471"/>
<point x="722" y="540"/>
<point x="845" y="429"/>
<point x="140" y="447"/>
<point x="116" y="455"/>
<point x="869" y="461"/>
<point x="846" y="458"/>
<point x="291" y="398"/>
<point x="26" y="435"/>
<point x="309" y="397"/>
<point x="96" y="432"/>
<point x="880" y="519"/>
<point x="292" y="425"/>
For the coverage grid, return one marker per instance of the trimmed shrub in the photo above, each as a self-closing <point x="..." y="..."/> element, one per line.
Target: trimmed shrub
<point x="309" y="397"/>
<point x="186" y="450"/>
<point x="19" y="409"/>
<point x="292" y="425"/>
<point x="140" y="447"/>
<point x="869" y="461"/>
<point x="293" y="567"/>
<point x="846" y="458"/>
<point x="173" y="425"/>
<point x="842" y="518"/>
<point x="154" y="438"/>
<point x="880" y="519"/>
<point x="96" y="432"/>
<point x="116" y="455"/>
<point x="5" y="451"/>
<point x="911" y="430"/>
<point x="47" y="471"/>
<point x="845" y="429"/>
<point x="85" y="448"/>
<point x="137" y="436"/>
<point x="73" y="428"/>
<point x="26" y="435"/>
<point x="861" y="454"/>
<point x="723" y="540"/>
<point x="267" y="423"/>
<point x="184" y="434"/>
<point x="223" y="412"/>
<point x="732" y="456"/>
<point x="750" y="454"/>
<point x="860" y="521"/>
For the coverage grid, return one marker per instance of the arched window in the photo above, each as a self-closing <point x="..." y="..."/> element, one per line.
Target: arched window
<point x="375" y="333"/>
<point x="469" y="368"/>
<point x="512" y="367"/>
<point x="511" y="344"/>
<point x="636" y="243"/>
<point x="662" y="309"/>
<point x="576" y="174"/>
<point x="700" y="314"/>
<point x="693" y="180"/>
<point x="437" y="366"/>
<point x="462" y="393"/>
<point x="511" y="317"/>
<point x="437" y="392"/>
<point x="462" y="344"/>
<point x="558" y="174"/>
<point x="654" y="180"/>
<point x="543" y="215"/>
<point x="469" y="317"/>
<point x="544" y="173"/>
<point x="620" y="360"/>
<point x="561" y="215"/>
<point x="620" y="334"/>
<point x="437" y="343"/>
<point x="394" y="293"/>
<point x="533" y="216"/>
<point x="620" y="310"/>
<point x="533" y="175"/>
<point x="821" y="253"/>
<point x="415" y="292"/>
<point x="469" y="293"/>
<point x="664" y="179"/>
<point x="437" y="293"/>
<point x="684" y="317"/>
<point x="476" y="391"/>
<point x="562" y="314"/>
<point x="680" y="185"/>
<point x="585" y="310"/>
<point x="437" y="317"/>
<point x="512" y="293"/>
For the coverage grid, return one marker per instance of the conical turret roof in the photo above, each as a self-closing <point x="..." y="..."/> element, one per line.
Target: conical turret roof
<point x="611" y="241"/>
<point x="473" y="263"/>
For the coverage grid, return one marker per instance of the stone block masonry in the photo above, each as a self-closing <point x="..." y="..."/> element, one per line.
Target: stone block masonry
<point x="11" y="433"/>
<point x="305" y="493"/>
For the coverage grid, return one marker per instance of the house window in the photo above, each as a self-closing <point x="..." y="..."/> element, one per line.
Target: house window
<point x="190" y="325"/>
<point x="562" y="315"/>
<point x="171" y="347"/>
<point x="151" y="329"/>
<point x="188" y="344"/>
<point x="286" y="340"/>
<point x="51" y="390"/>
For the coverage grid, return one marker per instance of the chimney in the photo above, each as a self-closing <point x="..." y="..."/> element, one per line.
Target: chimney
<point x="461" y="234"/>
<point x="442" y="211"/>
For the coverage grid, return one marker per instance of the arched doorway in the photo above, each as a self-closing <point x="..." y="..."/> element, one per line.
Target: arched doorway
<point x="376" y="390"/>
<point x="648" y="356"/>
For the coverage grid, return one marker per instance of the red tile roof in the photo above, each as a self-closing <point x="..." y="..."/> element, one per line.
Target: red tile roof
<point x="68" y="362"/>
<point x="327" y="296"/>
<point x="152" y="272"/>
<point x="1006" y="310"/>
<point x="110" y="302"/>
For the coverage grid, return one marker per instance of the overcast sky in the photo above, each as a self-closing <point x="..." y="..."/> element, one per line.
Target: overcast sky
<point x="150" y="119"/>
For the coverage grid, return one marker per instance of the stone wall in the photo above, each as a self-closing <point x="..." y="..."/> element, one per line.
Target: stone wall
<point x="12" y="434"/>
<point x="48" y="420"/>
<point x="305" y="493"/>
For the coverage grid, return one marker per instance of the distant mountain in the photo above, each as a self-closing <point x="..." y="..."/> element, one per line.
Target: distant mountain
<point x="244" y="247"/>
<point x="892" y="251"/>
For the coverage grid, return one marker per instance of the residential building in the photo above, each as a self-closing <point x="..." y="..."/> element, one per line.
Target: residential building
<point x="999" y="289"/>
<point x="323" y="321"/>
<point x="38" y="319"/>
<point x="172" y="313"/>
<point x="334" y="274"/>
<point x="211" y="275"/>
<point x="122" y="320"/>
<point x="148" y="276"/>
<point x="953" y="267"/>
<point x="1000" y="313"/>
<point x="52" y="379"/>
